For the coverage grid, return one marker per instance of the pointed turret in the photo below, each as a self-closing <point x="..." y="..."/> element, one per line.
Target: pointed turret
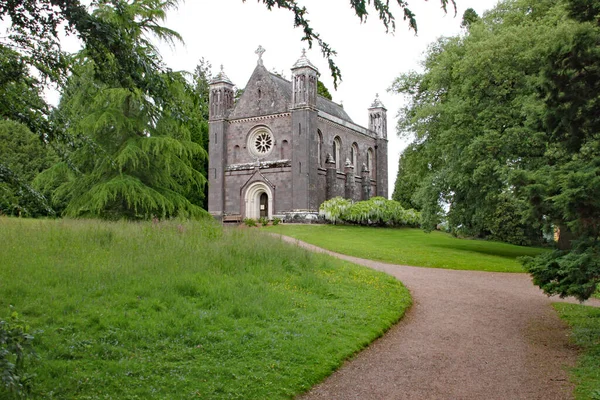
<point x="304" y="83"/>
<point x="378" y="118"/>
<point x="378" y="125"/>
<point x="221" y="96"/>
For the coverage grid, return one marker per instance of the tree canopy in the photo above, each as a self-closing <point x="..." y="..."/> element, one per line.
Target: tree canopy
<point x="130" y="152"/>
<point x="504" y="127"/>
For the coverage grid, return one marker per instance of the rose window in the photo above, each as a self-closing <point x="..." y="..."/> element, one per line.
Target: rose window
<point x="263" y="142"/>
<point x="260" y="142"/>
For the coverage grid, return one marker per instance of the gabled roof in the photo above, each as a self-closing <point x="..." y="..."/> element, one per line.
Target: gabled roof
<point x="323" y="104"/>
<point x="277" y="97"/>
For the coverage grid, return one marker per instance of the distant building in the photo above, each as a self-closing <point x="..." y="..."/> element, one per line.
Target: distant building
<point x="281" y="149"/>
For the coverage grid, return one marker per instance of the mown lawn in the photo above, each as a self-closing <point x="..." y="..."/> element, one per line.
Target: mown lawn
<point x="179" y="311"/>
<point x="585" y="323"/>
<point x="412" y="247"/>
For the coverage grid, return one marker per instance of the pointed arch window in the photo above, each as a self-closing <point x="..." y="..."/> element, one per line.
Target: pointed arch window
<point x="370" y="161"/>
<point x="354" y="156"/>
<point x="319" y="147"/>
<point x="337" y="152"/>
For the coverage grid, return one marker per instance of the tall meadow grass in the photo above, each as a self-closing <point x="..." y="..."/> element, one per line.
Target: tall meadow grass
<point x="184" y="310"/>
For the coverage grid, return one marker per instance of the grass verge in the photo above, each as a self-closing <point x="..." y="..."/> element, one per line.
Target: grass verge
<point x="155" y="311"/>
<point x="585" y="324"/>
<point x="412" y="247"/>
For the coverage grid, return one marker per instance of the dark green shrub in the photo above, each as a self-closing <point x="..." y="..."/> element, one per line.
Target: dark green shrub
<point x="15" y="350"/>
<point x="250" y="221"/>
<point x="263" y="221"/>
<point x="276" y="221"/>
<point x="567" y="273"/>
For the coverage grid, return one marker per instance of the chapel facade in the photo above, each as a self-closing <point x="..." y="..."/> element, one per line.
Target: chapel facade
<point x="281" y="149"/>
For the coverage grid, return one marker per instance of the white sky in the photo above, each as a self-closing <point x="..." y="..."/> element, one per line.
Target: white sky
<point x="228" y="32"/>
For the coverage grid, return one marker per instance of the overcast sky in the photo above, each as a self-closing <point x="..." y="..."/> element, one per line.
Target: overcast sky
<point x="228" y="32"/>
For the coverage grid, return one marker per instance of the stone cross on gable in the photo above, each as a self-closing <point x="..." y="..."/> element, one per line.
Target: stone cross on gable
<point x="260" y="51"/>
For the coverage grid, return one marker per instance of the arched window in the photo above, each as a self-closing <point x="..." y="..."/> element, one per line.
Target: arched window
<point x="337" y="152"/>
<point x="284" y="150"/>
<point x="354" y="157"/>
<point x="319" y="148"/>
<point x="370" y="161"/>
<point x="236" y="154"/>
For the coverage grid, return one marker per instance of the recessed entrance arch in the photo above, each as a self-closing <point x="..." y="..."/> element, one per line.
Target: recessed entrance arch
<point x="259" y="201"/>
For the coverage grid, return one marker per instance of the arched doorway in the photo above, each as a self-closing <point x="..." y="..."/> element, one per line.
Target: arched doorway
<point x="264" y="205"/>
<point x="259" y="201"/>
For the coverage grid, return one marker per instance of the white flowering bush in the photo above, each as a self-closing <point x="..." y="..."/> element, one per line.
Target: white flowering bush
<point x="334" y="209"/>
<point x="375" y="211"/>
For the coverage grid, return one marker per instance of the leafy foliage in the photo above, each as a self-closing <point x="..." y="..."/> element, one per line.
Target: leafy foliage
<point x="568" y="273"/>
<point x="22" y="156"/>
<point x="470" y="16"/>
<point x="16" y="349"/>
<point x="128" y="164"/>
<point x="250" y="222"/>
<point x="334" y="209"/>
<point x="263" y="221"/>
<point x="130" y="150"/>
<point x="323" y="91"/>
<point x="504" y="129"/>
<point x="21" y="93"/>
<point x="411" y="169"/>
<point x="375" y="211"/>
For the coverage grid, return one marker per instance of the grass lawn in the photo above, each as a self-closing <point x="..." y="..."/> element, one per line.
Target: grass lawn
<point x="412" y="247"/>
<point x="179" y="311"/>
<point x="585" y="322"/>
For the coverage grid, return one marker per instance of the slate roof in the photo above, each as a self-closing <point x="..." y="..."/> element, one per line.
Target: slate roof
<point x="323" y="104"/>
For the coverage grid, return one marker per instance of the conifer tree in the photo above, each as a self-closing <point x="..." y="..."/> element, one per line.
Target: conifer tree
<point x="130" y="153"/>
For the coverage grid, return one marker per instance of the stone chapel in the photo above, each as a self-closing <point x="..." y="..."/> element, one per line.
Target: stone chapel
<point x="281" y="150"/>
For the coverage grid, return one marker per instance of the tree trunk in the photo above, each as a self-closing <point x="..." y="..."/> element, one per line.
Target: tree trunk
<point x="565" y="236"/>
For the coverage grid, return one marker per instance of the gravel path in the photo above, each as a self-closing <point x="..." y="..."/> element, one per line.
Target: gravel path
<point x="468" y="335"/>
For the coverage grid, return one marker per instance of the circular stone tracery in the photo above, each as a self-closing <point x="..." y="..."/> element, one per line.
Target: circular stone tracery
<point x="260" y="143"/>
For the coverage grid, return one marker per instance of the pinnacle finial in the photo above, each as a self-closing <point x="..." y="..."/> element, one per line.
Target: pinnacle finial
<point x="303" y="61"/>
<point x="377" y="102"/>
<point x="260" y="51"/>
<point x="221" y="77"/>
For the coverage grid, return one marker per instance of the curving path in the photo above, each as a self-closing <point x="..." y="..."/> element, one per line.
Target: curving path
<point x="468" y="335"/>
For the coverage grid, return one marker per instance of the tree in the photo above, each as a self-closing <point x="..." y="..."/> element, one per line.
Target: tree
<point x="412" y="167"/>
<point x="565" y="190"/>
<point x="130" y="153"/>
<point x="470" y="114"/>
<point x="504" y="117"/>
<point x="22" y="156"/>
<point x="199" y="97"/>
<point x="470" y="16"/>
<point x="323" y="91"/>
